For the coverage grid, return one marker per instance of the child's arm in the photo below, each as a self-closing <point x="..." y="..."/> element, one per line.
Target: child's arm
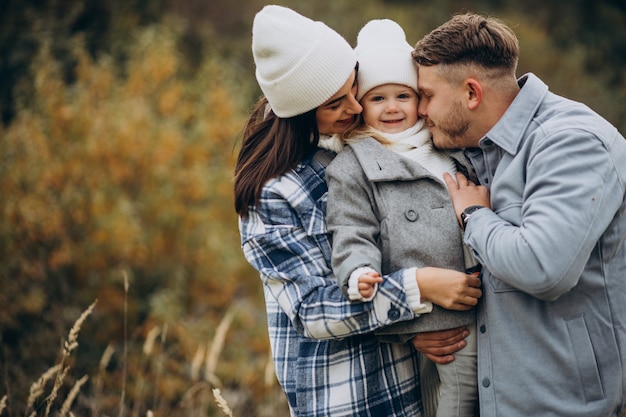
<point x="352" y="221"/>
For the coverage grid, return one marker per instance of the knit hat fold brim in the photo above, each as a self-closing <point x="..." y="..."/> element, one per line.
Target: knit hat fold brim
<point x="300" y="63"/>
<point x="384" y="56"/>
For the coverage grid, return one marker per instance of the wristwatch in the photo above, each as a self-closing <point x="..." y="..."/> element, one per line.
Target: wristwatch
<point x="467" y="213"/>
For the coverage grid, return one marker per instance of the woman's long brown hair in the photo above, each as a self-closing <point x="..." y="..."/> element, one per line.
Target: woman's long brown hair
<point x="270" y="147"/>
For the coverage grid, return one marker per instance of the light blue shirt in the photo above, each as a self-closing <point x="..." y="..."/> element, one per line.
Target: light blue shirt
<point x="552" y="321"/>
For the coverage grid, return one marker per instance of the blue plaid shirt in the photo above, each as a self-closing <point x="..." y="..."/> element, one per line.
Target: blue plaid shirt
<point x="327" y="360"/>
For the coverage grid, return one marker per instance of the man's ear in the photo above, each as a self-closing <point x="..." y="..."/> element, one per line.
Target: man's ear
<point x="474" y="93"/>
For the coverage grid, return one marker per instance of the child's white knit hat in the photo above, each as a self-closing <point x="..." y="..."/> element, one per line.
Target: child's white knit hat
<point x="384" y="56"/>
<point x="300" y="63"/>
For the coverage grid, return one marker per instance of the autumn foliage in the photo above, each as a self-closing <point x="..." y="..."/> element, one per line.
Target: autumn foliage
<point x="116" y="186"/>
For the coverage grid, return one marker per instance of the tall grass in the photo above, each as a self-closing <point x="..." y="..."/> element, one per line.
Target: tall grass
<point x="48" y="398"/>
<point x="59" y="373"/>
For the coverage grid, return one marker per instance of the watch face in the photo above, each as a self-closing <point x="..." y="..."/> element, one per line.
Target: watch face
<point x="471" y="209"/>
<point x="468" y="212"/>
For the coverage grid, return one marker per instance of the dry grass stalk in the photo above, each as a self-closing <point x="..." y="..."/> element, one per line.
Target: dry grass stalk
<point x="148" y="345"/>
<point x="55" y="389"/>
<point x="72" y="395"/>
<point x="125" y="359"/>
<point x="159" y="364"/>
<point x="37" y="388"/>
<point x="98" y="384"/>
<point x="70" y="344"/>
<point x="106" y="357"/>
<point x="193" y="391"/>
<point x="196" y="363"/>
<point x="269" y="377"/>
<point x="218" y="343"/>
<point x="221" y="402"/>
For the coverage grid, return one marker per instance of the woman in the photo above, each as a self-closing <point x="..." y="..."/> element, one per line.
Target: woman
<point x="327" y="359"/>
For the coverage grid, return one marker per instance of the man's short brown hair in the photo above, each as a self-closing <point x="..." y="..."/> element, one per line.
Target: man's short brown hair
<point x="470" y="39"/>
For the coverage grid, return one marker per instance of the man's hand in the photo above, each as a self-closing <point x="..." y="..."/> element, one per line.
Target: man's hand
<point x="440" y="345"/>
<point x="465" y="193"/>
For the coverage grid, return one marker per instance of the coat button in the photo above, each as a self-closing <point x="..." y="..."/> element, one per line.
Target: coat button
<point x="486" y="382"/>
<point x="483" y="328"/>
<point x="393" y="314"/>
<point x="411" y="215"/>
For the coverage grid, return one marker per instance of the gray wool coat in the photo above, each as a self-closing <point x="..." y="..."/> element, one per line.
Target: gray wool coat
<point x="388" y="212"/>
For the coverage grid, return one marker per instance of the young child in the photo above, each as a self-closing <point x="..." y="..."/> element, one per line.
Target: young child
<point x="389" y="208"/>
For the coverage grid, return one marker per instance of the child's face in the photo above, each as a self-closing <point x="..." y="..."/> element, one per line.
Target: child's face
<point x="390" y="108"/>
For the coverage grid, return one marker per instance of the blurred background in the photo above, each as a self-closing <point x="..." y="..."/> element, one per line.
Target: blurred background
<point x="119" y="128"/>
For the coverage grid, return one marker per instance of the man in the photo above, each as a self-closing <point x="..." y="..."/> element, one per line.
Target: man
<point x="548" y="223"/>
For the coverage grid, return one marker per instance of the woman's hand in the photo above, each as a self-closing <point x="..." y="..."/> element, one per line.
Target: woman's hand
<point x="439" y="346"/>
<point x="448" y="288"/>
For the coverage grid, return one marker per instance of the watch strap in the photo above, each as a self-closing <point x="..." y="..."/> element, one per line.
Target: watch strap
<point x="465" y="215"/>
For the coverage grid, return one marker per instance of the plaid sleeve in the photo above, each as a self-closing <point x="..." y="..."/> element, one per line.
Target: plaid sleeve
<point x="294" y="262"/>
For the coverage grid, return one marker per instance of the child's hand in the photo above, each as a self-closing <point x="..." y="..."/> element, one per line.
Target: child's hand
<point x="367" y="283"/>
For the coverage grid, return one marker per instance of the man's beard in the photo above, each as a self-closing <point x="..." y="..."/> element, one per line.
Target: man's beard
<point x="453" y="127"/>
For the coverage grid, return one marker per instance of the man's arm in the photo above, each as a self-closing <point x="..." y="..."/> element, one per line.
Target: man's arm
<point x="540" y="237"/>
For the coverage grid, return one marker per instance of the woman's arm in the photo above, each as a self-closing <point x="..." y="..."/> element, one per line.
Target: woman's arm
<point x="293" y="269"/>
<point x="286" y="240"/>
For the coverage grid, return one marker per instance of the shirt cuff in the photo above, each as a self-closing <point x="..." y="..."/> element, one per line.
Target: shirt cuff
<point x="353" y="284"/>
<point x="413" y="295"/>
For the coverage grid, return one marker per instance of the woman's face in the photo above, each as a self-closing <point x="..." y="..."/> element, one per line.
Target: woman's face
<point x="339" y="111"/>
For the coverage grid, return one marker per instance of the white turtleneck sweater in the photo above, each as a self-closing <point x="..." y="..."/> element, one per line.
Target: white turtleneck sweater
<point x="415" y="143"/>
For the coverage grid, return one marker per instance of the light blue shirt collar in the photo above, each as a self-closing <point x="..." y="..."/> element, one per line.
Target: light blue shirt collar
<point x="508" y="132"/>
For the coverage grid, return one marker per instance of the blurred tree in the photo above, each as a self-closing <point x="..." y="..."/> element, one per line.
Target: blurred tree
<point x="595" y="25"/>
<point x="591" y="25"/>
<point x="106" y="25"/>
<point x="118" y="175"/>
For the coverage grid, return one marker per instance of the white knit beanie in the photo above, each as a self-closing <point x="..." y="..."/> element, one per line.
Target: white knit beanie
<point x="384" y="56"/>
<point x="300" y="63"/>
